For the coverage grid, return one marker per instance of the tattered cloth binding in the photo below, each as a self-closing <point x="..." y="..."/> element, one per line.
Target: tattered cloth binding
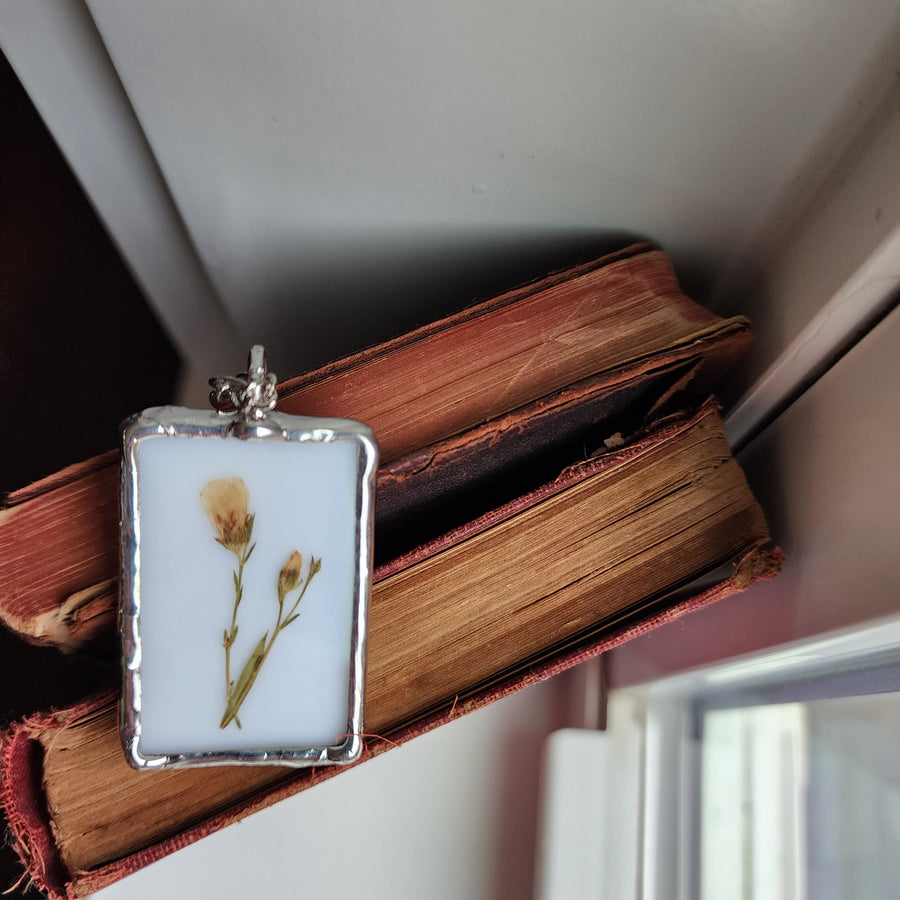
<point x="549" y="489"/>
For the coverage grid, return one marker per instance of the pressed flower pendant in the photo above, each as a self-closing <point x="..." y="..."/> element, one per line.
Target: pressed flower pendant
<point x="246" y="563"/>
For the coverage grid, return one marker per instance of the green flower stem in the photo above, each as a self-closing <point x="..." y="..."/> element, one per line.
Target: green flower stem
<point x="242" y="554"/>
<point x="247" y="678"/>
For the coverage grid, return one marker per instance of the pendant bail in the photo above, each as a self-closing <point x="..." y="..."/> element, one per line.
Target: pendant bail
<point x="251" y="394"/>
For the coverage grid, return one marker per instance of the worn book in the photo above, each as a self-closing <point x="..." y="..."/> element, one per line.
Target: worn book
<point x="634" y="530"/>
<point x="523" y="361"/>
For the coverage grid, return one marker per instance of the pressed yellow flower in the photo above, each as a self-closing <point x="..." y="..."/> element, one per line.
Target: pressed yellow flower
<point x="289" y="577"/>
<point x="226" y="502"/>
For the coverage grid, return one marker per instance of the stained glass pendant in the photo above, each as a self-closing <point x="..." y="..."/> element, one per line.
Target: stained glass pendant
<point x="246" y="565"/>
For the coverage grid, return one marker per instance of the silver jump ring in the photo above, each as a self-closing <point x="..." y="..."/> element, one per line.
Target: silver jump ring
<point x="251" y="393"/>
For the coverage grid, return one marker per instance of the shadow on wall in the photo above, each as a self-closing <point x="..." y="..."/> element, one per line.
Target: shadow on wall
<point x="79" y="348"/>
<point x="342" y="293"/>
<point x="515" y="837"/>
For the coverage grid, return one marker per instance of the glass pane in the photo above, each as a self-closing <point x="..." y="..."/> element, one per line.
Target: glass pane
<point x="801" y="800"/>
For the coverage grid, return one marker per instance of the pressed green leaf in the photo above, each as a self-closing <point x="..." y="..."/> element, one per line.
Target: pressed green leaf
<point x="290" y="619"/>
<point x="251" y="667"/>
<point x="245" y="681"/>
<point x="252" y="548"/>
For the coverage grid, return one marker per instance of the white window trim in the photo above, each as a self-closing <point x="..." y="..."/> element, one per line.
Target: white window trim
<point x="656" y="796"/>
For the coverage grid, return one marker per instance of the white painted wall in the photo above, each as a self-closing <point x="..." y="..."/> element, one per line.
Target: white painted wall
<point x="344" y="170"/>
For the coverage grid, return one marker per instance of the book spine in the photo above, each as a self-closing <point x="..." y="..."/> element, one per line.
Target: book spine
<point x="60" y="554"/>
<point x="25" y="804"/>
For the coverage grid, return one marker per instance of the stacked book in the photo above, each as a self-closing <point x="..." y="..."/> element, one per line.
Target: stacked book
<point x="554" y="481"/>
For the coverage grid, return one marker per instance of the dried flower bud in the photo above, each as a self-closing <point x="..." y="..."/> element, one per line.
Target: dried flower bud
<point x="289" y="577"/>
<point x="226" y="502"/>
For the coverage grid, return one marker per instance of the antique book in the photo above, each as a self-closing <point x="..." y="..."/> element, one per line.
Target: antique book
<point x="655" y="523"/>
<point x="537" y="351"/>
